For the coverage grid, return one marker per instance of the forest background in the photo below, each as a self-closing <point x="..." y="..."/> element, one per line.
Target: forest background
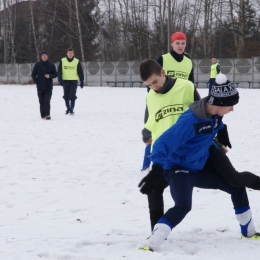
<point x="128" y="30"/>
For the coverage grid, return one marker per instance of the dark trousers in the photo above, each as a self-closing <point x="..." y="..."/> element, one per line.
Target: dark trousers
<point x="70" y="89"/>
<point x="221" y="164"/>
<point x="211" y="82"/>
<point x="44" y="96"/>
<point x="181" y="187"/>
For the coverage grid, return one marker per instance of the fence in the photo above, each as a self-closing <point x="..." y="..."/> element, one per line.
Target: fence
<point x="244" y="72"/>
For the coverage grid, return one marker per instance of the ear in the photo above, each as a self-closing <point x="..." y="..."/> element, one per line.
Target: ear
<point x="163" y="73"/>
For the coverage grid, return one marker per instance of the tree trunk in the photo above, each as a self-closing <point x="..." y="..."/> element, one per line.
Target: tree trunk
<point x="79" y="29"/>
<point x="33" y="30"/>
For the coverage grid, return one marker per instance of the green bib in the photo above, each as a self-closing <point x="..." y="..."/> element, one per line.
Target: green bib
<point x="69" y="69"/>
<point x="165" y="109"/>
<point x="174" y="69"/>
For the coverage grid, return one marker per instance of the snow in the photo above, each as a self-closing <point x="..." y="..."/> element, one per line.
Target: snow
<point x="69" y="185"/>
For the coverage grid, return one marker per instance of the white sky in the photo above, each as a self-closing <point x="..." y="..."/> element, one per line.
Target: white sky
<point x="69" y="186"/>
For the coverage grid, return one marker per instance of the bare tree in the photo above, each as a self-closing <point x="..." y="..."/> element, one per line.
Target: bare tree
<point x="79" y="30"/>
<point x="33" y="29"/>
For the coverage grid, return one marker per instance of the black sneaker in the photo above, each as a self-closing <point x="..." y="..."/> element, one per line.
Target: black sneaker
<point x="71" y="112"/>
<point x="48" y="118"/>
<point x="67" y="112"/>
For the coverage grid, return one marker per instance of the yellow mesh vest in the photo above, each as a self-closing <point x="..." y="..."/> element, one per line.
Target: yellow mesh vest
<point x="165" y="109"/>
<point x="213" y="71"/>
<point x="69" y="69"/>
<point x="176" y="69"/>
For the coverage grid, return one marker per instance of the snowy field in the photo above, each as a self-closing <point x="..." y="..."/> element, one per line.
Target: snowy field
<point x="69" y="185"/>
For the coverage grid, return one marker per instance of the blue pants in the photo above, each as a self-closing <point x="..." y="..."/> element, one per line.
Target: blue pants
<point x="210" y="84"/>
<point x="181" y="187"/>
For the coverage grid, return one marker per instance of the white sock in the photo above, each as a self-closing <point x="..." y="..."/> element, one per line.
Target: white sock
<point x="246" y="223"/>
<point x="160" y="233"/>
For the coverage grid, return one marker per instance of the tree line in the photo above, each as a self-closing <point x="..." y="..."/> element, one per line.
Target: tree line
<point x="111" y="30"/>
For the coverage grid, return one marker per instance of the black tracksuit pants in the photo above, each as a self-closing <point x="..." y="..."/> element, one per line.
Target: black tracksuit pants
<point x="221" y="164"/>
<point x="44" y="96"/>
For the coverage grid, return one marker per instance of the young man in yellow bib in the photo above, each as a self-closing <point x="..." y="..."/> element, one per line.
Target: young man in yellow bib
<point x="69" y="72"/>
<point x="214" y="71"/>
<point x="176" y="64"/>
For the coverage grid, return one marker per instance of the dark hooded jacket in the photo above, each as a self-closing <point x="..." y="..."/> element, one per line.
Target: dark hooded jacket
<point x="40" y="69"/>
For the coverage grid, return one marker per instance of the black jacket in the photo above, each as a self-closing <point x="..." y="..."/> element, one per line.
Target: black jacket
<point x="38" y="74"/>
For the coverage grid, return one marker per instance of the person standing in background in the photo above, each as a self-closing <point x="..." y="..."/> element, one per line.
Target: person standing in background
<point x="214" y="71"/>
<point x="42" y="74"/>
<point x="69" y="71"/>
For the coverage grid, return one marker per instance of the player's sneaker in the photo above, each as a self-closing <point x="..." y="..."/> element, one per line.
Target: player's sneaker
<point x="71" y="112"/>
<point x="256" y="236"/>
<point x="145" y="248"/>
<point x="67" y="112"/>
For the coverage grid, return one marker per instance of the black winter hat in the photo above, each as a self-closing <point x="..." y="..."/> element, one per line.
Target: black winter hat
<point x="43" y="52"/>
<point x="223" y="92"/>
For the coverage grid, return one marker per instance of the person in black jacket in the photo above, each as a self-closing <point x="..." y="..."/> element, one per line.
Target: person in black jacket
<point x="69" y="71"/>
<point x="43" y="73"/>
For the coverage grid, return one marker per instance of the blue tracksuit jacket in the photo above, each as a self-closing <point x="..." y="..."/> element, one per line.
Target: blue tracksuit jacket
<point x="186" y="143"/>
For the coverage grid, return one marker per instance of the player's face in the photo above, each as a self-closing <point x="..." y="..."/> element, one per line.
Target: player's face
<point x="70" y="54"/>
<point x="221" y="111"/>
<point x="44" y="57"/>
<point x="179" y="46"/>
<point x="213" y="60"/>
<point x="156" y="82"/>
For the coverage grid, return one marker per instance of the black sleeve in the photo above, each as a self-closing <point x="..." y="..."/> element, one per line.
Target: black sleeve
<point x="60" y="71"/>
<point x="160" y="61"/>
<point x="34" y="74"/>
<point x="191" y="76"/>
<point x="196" y="94"/>
<point x="218" y="69"/>
<point x="146" y="135"/>
<point x="53" y="72"/>
<point x="80" y="72"/>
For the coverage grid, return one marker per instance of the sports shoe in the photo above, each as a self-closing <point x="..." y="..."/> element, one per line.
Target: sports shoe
<point x="71" y="112"/>
<point x="46" y="117"/>
<point x="256" y="236"/>
<point x="145" y="248"/>
<point x="67" y="112"/>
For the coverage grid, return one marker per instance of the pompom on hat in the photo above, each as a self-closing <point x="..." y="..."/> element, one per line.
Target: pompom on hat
<point x="223" y="92"/>
<point x="178" y="36"/>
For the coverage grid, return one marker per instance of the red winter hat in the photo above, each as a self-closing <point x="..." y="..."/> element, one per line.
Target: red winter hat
<point x="178" y="36"/>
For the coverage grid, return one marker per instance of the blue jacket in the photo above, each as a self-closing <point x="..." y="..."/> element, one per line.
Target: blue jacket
<point x="186" y="143"/>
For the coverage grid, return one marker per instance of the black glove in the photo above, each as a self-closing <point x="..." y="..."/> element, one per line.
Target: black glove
<point x="61" y="82"/>
<point x="81" y="84"/>
<point x="151" y="180"/>
<point x="223" y="138"/>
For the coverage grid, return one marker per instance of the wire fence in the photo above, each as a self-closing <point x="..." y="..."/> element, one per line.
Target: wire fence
<point x="245" y="73"/>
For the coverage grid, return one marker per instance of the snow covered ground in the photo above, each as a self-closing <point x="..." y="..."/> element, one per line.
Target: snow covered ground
<point x="69" y="186"/>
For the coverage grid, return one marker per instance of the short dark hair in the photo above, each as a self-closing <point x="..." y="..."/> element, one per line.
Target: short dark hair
<point x="148" y="67"/>
<point x="69" y="49"/>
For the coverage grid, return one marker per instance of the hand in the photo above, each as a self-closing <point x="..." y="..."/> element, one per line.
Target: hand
<point x="81" y="84"/>
<point x="61" y="82"/>
<point x="224" y="149"/>
<point x="223" y="138"/>
<point x="151" y="180"/>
